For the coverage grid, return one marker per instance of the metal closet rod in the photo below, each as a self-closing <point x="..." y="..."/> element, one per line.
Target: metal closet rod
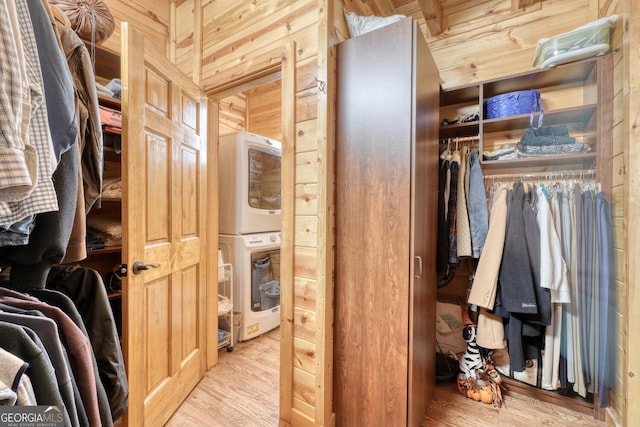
<point x="572" y="174"/>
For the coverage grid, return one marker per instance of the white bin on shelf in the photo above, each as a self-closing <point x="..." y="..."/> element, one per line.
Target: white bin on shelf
<point x="589" y="40"/>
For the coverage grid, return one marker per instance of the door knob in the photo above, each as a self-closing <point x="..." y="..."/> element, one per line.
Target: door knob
<point x="139" y="267"/>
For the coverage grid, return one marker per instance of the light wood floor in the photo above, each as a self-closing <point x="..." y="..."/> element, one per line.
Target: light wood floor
<point x="449" y="408"/>
<point x="242" y="391"/>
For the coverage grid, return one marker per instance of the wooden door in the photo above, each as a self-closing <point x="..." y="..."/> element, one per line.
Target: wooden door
<point x="164" y="173"/>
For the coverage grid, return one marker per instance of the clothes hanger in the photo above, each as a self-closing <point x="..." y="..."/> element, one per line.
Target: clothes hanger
<point x="448" y="155"/>
<point x="446" y="152"/>
<point x="61" y="20"/>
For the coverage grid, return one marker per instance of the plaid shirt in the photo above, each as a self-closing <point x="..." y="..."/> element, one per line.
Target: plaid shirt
<point x="43" y="198"/>
<point x="17" y="168"/>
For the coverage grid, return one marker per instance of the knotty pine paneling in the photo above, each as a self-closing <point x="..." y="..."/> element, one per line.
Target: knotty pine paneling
<point x="307" y="104"/>
<point x="185" y="54"/>
<point x="617" y="408"/>
<point x="492" y="49"/>
<point x="304" y="414"/>
<point x="304" y="324"/>
<point x="241" y="37"/>
<point x="233" y="114"/>
<point x="307" y="167"/>
<point x="619" y="169"/>
<point x="485" y="39"/>
<point x="305" y="293"/>
<point x="305" y="392"/>
<point x="472" y="13"/>
<point x="306" y="231"/>
<point x="367" y="8"/>
<point x="306" y="74"/>
<point x="412" y="9"/>
<point x="340" y="29"/>
<point x="306" y="262"/>
<point x="264" y="99"/>
<point x="306" y="136"/>
<point x="305" y="355"/>
<point x="264" y="110"/>
<point x="152" y="18"/>
<point x="307" y="199"/>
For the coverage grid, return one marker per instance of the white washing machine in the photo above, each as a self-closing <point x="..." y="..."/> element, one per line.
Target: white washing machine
<point x="256" y="266"/>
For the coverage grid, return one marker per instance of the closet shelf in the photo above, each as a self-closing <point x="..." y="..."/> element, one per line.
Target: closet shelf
<point x="568" y="74"/>
<point x="460" y="129"/>
<point x="105" y="250"/>
<point x="581" y="114"/>
<point x="574" y="97"/>
<point x="545" y="163"/>
<point x="114" y="295"/>
<point x="110" y="150"/>
<point x="461" y="95"/>
<point x="110" y="102"/>
<point x="111" y="200"/>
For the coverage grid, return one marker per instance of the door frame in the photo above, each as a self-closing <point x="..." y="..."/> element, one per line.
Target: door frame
<point x="284" y="70"/>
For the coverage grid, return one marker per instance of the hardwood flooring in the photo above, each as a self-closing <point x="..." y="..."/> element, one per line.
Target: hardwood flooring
<point x="450" y="409"/>
<point x="242" y="391"/>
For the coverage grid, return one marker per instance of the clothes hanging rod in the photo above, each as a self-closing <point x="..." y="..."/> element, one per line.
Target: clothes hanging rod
<point x="466" y="138"/>
<point x="566" y="174"/>
<point x="460" y="139"/>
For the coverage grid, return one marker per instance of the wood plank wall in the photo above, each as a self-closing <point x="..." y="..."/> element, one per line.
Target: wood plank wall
<point x="483" y="40"/>
<point x="264" y="110"/>
<point x="631" y="227"/>
<point x="240" y="39"/>
<point x="186" y="45"/>
<point x="618" y="404"/>
<point x="150" y="17"/>
<point x="233" y="114"/>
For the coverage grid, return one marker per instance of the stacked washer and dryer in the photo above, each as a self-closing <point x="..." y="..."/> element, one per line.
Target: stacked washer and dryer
<point x="249" y="225"/>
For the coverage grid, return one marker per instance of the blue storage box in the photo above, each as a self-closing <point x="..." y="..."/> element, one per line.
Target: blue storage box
<point x="513" y="104"/>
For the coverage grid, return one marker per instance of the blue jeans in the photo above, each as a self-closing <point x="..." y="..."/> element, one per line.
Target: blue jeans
<point x="17" y="234"/>
<point x="477" y="206"/>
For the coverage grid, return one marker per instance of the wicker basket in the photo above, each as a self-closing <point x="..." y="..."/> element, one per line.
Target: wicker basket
<point x="515" y="103"/>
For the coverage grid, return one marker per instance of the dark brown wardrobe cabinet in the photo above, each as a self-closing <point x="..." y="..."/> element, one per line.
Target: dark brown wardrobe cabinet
<point x="386" y="223"/>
